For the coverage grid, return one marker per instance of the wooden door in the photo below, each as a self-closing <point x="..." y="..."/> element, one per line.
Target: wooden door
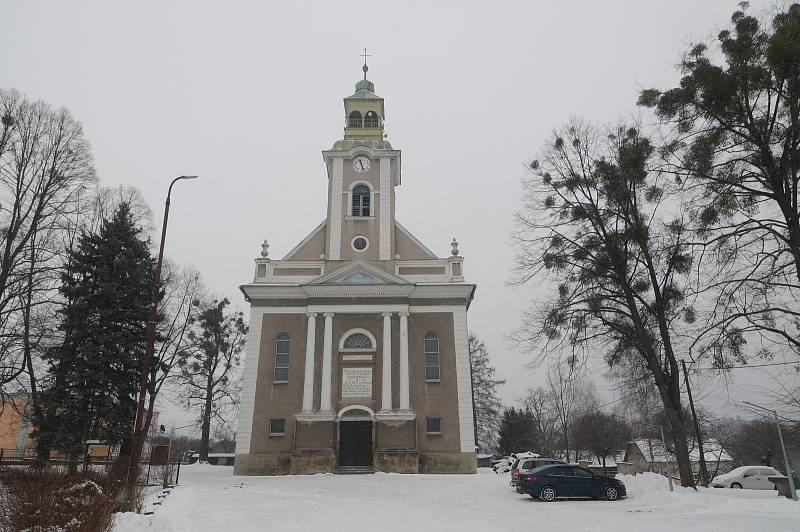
<point x="355" y="443"/>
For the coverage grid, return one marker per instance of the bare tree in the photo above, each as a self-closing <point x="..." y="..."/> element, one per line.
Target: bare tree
<point x="178" y="310"/>
<point x="208" y="379"/>
<point x="568" y="393"/>
<point x="45" y="162"/>
<point x="487" y="410"/>
<point x="545" y="419"/>
<point x="601" y="433"/>
<point x="597" y="223"/>
<point x="733" y="134"/>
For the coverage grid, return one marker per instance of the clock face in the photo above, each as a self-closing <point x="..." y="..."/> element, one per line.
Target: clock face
<point x="360" y="164"/>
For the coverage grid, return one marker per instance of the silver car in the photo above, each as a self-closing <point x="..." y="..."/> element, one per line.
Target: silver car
<point x="747" y="477"/>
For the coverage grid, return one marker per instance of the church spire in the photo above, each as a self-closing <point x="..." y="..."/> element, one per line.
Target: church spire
<point x="364" y="112"/>
<point x="365" y="68"/>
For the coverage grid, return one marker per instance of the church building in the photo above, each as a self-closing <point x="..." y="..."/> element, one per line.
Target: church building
<point x="357" y="355"/>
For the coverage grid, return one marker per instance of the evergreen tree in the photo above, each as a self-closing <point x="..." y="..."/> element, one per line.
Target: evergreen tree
<point x="209" y="379"/>
<point x="486" y="406"/>
<point x="517" y="432"/>
<point x="106" y="286"/>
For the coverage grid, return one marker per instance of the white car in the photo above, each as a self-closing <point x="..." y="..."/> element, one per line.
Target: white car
<point x="747" y="477"/>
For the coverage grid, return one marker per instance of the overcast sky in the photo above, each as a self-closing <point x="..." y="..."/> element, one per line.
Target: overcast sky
<point x="247" y="94"/>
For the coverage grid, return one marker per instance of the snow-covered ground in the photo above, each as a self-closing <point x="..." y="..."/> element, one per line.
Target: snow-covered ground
<point x="211" y="498"/>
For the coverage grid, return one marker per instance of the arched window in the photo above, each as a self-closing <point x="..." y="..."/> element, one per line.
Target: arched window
<point x="358" y="341"/>
<point x="361" y="195"/>
<point x="283" y="345"/>
<point x="371" y="119"/>
<point x="431" y="357"/>
<point x="354" y="120"/>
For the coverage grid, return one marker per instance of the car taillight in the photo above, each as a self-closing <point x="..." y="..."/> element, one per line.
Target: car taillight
<point x="530" y="479"/>
<point x="515" y="471"/>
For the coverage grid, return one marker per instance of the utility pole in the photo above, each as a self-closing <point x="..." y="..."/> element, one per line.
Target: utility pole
<point x="703" y="469"/>
<point x="138" y="426"/>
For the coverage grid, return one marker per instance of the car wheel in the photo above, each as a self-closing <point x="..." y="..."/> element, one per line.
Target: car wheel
<point x="548" y="494"/>
<point x="612" y="493"/>
<point x="736" y="486"/>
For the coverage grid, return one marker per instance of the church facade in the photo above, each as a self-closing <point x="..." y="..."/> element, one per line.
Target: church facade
<point x="357" y="355"/>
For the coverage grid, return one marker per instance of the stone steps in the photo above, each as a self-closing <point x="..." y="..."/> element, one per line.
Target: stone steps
<point x="354" y="470"/>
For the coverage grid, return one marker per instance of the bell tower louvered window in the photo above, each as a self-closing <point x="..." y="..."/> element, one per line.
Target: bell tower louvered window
<point x="354" y="120"/>
<point x="371" y="119"/>
<point x="361" y="198"/>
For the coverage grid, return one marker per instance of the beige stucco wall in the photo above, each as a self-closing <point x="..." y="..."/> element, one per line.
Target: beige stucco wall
<point x="275" y="400"/>
<point x="368" y="227"/>
<point x="313" y="249"/>
<point x="434" y="399"/>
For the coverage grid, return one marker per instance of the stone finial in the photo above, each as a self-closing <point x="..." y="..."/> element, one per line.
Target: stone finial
<point x="454" y="245"/>
<point x="265" y="249"/>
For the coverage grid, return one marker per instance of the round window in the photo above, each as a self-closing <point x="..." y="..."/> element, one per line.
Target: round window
<point x="360" y="243"/>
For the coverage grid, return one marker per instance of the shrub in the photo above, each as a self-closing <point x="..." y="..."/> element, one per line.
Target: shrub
<point x="49" y="500"/>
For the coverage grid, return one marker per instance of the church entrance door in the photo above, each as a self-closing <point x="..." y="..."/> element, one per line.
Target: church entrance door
<point x="355" y="443"/>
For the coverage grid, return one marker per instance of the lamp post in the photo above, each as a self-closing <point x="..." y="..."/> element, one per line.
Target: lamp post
<point x="138" y="426"/>
<point x="783" y="447"/>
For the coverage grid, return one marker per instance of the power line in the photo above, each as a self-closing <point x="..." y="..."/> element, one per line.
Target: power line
<point x="751" y="366"/>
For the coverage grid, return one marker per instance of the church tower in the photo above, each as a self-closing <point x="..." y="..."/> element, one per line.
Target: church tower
<point x="357" y="356"/>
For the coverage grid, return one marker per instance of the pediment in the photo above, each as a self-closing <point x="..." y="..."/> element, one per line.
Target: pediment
<point x="359" y="272"/>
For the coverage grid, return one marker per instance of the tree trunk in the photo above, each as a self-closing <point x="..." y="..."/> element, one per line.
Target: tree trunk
<point x="681" y="447"/>
<point x="206" y="429"/>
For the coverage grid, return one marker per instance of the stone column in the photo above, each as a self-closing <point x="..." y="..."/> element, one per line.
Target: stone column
<point x="386" y="362"/>
<point x="308" y="377"/>
<point x="404" y="391"/>
<point x="327" y="355"/>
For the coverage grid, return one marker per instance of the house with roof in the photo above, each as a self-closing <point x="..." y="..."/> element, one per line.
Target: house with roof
<point x="650" y="455"/>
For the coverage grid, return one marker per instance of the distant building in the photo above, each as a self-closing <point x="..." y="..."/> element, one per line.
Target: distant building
<point x="15" y="425"/>
<point x="650" y="455"/>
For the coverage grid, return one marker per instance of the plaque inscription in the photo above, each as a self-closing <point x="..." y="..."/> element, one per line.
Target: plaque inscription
<point x="356" y="382"/>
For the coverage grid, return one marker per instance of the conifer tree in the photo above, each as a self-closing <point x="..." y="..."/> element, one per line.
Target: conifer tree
<point x="208" y="378"/>
<point x="106" y="285"/>
<point x="487" y="409"/>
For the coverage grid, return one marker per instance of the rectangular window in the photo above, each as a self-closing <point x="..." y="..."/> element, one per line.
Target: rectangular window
<point x="431" y="346"/>
<point x="282" y="367"/>
<point x="431" y="369"/>
<point x="433" y="425"/>
<point x="277" y="426"/>
<point x="283" y="348"/>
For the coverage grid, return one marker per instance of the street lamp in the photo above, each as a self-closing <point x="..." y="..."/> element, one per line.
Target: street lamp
<point x="138" y="427"/>
<point x="783" y="447"/>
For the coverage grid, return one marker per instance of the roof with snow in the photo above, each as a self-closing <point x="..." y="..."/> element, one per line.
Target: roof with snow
<point x="654" y="452"/>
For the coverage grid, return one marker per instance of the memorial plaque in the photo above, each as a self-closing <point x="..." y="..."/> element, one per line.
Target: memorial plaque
<point x="356" y="382"/>
<point x="365" y="358"/>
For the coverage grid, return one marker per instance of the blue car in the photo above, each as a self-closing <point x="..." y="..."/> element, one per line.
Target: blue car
<point x="553" y="481"/>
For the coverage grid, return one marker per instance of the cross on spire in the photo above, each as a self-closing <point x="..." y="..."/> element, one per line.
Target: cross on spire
<point x="365" y="67"/>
